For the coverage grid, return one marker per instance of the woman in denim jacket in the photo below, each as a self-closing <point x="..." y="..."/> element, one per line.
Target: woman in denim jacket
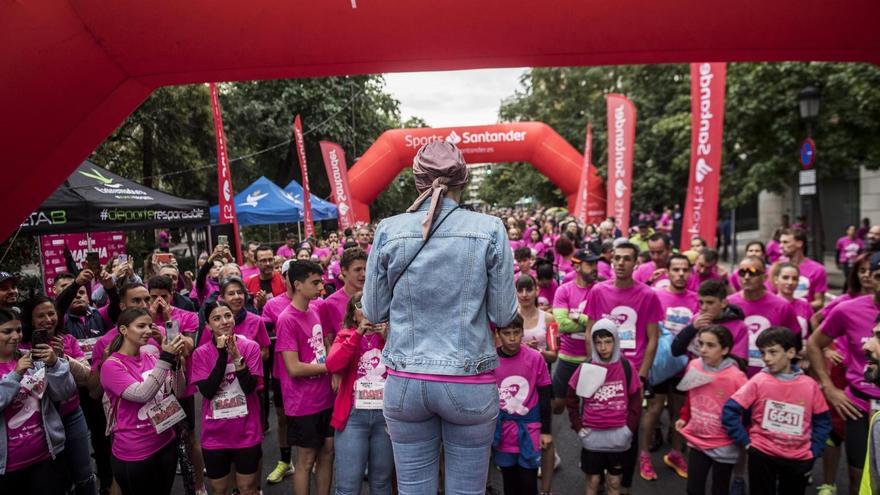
<point x="440" y="275"/>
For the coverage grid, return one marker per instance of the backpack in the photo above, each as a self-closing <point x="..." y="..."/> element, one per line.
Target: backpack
<point x="665" y="365"/>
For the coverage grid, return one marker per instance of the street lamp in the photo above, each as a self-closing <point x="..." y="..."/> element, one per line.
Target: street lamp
<point x="808" y="102"/>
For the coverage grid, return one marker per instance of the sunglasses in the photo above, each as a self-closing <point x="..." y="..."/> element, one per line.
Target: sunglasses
<point x="358" y="305"/>
<point x="754" y="272"/>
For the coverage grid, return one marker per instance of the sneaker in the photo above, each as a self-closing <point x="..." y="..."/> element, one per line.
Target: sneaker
<point x="826" y="489"/>
<point x="676" y="461"/>
<point x="646" y="469"/>
<point x="738" y="486"/>
<point x="281" y="471"/>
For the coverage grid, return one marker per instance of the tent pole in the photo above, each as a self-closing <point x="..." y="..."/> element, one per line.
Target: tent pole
<point x="299" y="232"/>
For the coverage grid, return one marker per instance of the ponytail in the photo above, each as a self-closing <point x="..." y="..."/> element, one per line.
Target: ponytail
<point x="114" y="346"/>
<point x="125" y="318"/>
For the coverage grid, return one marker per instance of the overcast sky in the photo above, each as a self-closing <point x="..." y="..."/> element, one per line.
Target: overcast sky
<point x="453" y="98"/>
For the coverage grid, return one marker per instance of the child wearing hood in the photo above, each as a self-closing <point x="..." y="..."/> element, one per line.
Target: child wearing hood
<point x="605" y="409"/>
<point x="790" y="421"/>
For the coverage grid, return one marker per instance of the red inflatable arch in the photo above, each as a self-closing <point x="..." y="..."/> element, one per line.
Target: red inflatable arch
<point x="532" y="142"/>
<point x="72" y="70"/>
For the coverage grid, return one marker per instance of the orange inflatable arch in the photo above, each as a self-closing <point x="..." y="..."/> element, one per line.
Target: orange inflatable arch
<point x="532" y="142"/>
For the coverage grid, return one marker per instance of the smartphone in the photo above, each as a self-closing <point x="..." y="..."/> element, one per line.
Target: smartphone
<point x="93" y="262"/>
<point x="39" y="337"/>
<point x="222" y="239"/>
<point x="172" y="330"/>
<point x="122" y="258"/>
<point x="164" y="258"/>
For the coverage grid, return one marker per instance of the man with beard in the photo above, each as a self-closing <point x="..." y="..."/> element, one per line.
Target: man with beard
<point x="653" y="272"/>
<point x="8" y="291"/>
<point x="851" y="325"/>
<point x="353" y="266"/>
<point x="813" y="281"/>
<point x="872" y="239"/>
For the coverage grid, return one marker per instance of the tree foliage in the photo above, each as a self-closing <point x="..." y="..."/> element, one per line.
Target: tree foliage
<point x="761" y="134"/>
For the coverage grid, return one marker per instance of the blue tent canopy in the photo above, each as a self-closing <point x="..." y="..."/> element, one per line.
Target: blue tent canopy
<point x="263" y="203"/>
<point x="321" y="209"/>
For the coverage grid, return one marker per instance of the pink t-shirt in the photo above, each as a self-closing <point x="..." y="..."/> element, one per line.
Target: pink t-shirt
<point x="285" y="251"/>
<point x="72" y="351"/>
<point x="851" y="324"/>
<point x="696" y="279"/>
<point x="546" y="295"/>
<point x="848" y="249"/>
<point x="151" y="347"/>
<point x="774" y="251"/>
<point x="247" y="272"/>
<point x="768" y="311"/>
<point x="704" y="429"/>
<point x="537" y="248"/>
<point x="803" y="312"/>
<point x="370" y="368"/>
<point x="813" y="279"/>
<point x="134" y="436"/>
<point x="633" y="309"/>
<point x="25" y="438"/>
<point x="332" y="312"/>
<point x="251" y="327"/>
<point x="563" y="265"/>
<point x="518" y="378"/>
<point x="782" y="413"/>
<point x="607" y="408"/>
<point x="679" y="309"/>
<point x="274" y="307"/>
<point x="301" y="332"/>
<point x="572" y="298"/>
<point x="248" y="428"/>
<point x="605" y="270"/>
<point x="643" y="273"/>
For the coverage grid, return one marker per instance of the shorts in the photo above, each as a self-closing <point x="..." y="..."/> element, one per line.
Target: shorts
<point x="668" y="386"/>
<point x="219" y="462"/>
<point x="277" y="398"/>
<point x="188" y="404"/>
<point x="564" y="370"/>
<point x="596" y="463"/>
<point x="310" y="431"/>
<point x="857" y="441"/>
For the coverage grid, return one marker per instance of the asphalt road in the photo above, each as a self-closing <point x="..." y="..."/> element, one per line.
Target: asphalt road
<point x="568" y="479"/>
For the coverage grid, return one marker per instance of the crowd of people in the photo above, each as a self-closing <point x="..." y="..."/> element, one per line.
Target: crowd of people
<point x="761" y="375"/>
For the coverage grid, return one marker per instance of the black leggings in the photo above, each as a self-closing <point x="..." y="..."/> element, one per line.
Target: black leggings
<point x="519" y="480"/>
<point x="770" y="475"/>
<point x="37" y="479"/>
<point x="151" y="476"/>
<point x="699" y="465"/>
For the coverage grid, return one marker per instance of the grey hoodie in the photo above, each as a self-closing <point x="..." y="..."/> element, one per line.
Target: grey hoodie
<point x="59" y="386"/>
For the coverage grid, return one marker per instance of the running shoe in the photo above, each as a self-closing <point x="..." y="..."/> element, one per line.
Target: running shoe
<point x="676" y="462"/>
<point x="281" y="471"/>
<point x="646" y="469"/>
<point x="827" y="489"/>
<point x="738" y="487"/>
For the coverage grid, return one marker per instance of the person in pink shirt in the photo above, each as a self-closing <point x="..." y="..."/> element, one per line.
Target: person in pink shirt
<point x="140" y="388"/>
<point x="364" y="238"/>
<point x="523" y="260"/>
<point x="711" y="449"/>
<point x="706" y="268"/>
<point x="514" y="236"/>
<point x="524" y="427"/>
<point x="850" y="325"/>
<point x="308" y="397"/>
<point x="332" y="311"/>
<point x="605" y="417"/>
<point x="361" y="441"/>
<point x="547" y="284"/>
<point x="286" y="250"/>
<point x="813" y="280"/>
<point x="848" y="248"/>
<point x="790" y="422"/>
<point x="761" y="308"/>
<point x="250" y="267"/>
<point x="679" y="306"/>
<point x="637" y="310"/>
<point x="754" y="249"/>
<point x="774" y="248"/>
<point x="562" y="257"/>
<point x="247" y="324"/>
<point x="535" y="244"/>
<point x="714" y="309"/>
<point x="785" y="278"/>
<point x="31" y="383"/>
<point x="228" y="373"/>
<point x="653" y="273"/>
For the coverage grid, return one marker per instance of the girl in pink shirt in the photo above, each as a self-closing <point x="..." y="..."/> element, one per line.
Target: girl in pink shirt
<point x="228" y="372"/>
<point x="143" y="409"/>
<point x="247" y="324"/>
<point x="785" y="278"/>
<point x="700" y="419"/>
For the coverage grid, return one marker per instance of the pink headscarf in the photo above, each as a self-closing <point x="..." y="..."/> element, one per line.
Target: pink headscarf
<point x="437" y="166"/>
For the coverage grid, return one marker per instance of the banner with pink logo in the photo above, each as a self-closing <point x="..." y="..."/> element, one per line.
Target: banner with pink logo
<point x="621" y="138"/>
<point x="337" y="175"/>
<point x="307" y="195"/>
<point x="580" y="205"/>
<point x="107" y="244"/>
<point x="225" y="194"/>
<point x="707" y="125"/>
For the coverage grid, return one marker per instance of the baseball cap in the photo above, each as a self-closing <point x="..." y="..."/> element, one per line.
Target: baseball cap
<point x="584" y="255"/>
<point x="4" y="276"/>
<point x="285" y="266"/>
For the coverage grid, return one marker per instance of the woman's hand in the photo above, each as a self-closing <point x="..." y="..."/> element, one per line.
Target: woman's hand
<point x="45" y="353"/>
<point x="364" y="326"/>
<point x="174" y="347"/>
<point x="57" y="344"/>
<point x="232" y="348"/>
<point x="221" y="341"/>
<point x="680" y="424"/>
<point x="24" y="363"/>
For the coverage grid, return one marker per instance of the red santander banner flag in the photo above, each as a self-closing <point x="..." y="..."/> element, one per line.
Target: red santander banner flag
<point x="621" y="138"/>
<point x="337" y="174"/>
<point x="580" y="205"/>
<point x="225" y="193"/>
<point x="707" y="124"/>
<point x="307" y="195"/>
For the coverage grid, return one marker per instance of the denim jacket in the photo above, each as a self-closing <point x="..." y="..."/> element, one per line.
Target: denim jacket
<point x="59" y="386"/>
<point x="440" y="310"/>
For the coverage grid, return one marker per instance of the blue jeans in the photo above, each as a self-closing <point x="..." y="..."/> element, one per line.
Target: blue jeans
<point x="364" y="443"/>
<point x="422" y="414"/>
<point x="77" y="456"/>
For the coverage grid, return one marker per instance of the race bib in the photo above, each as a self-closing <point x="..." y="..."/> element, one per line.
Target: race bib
<point x="35" y="384"/>
<point x="87" y="346"/>
<point x="677" y="318"/>
<point x="368" y="395"/>
<point x="229" y="404"/>
<point x="165" y="414"/>
<point x="782" y="417"/>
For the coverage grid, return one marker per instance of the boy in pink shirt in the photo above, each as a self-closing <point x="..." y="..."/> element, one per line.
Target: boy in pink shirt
<point x="606" y="416"/>
<point x="790" y="421"/>
<point x="524" y="424"/>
